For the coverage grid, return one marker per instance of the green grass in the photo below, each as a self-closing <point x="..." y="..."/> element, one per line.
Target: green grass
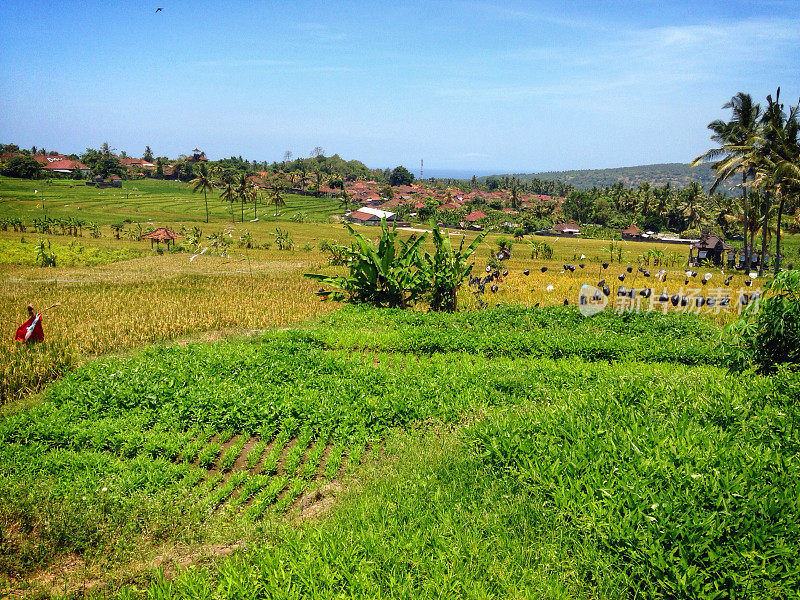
<point x="529" y="453"/>
<point x="67" y="254"/>
<point x="641" y="482"/>
<point x="140" y="201"/>
<point x="517" y="331"/>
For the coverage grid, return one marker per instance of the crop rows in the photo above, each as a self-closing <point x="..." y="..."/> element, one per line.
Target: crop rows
<point x="215" y="465"/>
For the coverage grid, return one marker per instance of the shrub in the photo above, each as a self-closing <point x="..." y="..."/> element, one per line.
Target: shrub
<point x="504" y="244"/>
<point x="24" y="167"/>
<point x="690" y="233"/>
<point x="541" y="250"/>
<point x="44" y="257"/>
<point x="396" y="277"/>
<point x="282" y="239"/>
<point x="338" y="253"/>
<point x="768" y="332"/>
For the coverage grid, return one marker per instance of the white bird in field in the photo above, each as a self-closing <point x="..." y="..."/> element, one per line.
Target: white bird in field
<point x="549" y="288"/>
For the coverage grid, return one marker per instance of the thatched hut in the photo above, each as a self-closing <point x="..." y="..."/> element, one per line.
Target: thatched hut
<point x="162" y="234"/>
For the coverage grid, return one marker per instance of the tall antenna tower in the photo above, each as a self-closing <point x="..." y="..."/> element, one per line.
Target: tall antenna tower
<point x="420" y="169"/>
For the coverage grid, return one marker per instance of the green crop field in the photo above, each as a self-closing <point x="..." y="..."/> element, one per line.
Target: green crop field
<point x="198" y="424"/>
<point x="512" y="452"/>
<point x="139" y="200"/>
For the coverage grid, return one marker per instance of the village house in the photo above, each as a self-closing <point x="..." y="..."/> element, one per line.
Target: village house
<point x="367" y="215"/>
<point x="66" y="167"/>
<point x="197" y="156"/>
<point x="58" y="164"/>
<point x="137" y="163"/>
<point x="568" y="228"/>
<point x="99" y="181"/>
<point x="473" y="218"/>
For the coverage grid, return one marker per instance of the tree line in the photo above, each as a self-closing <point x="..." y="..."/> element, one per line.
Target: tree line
<point x="759" y="150"/>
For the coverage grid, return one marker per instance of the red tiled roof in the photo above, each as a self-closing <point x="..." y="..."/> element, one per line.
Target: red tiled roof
<point x="45" y="160"/>
<point x="135" y="162"/>
<point x="362" y="216"/>
<point x="65" y="165"/>
<point x="475" y="216"/>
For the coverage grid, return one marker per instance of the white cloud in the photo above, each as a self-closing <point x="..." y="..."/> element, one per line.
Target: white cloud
<point x="645" y="58"/>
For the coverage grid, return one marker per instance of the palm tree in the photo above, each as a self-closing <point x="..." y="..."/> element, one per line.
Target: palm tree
<point x="344" y="199"/>
<point x="229" y="195"/>
<point x="775" y="154"/>
<point x="303" y="179"/>
<point x="243" y="191"/>
<point x="255" y="194"/>
<point x="276" y="197"/>
<point x="730" y="158"/>
<point x="514" y="193"/>
<point x="319" y="178"/>
<point x="782" y="163"/>
<point x="725" y="211"/>
<point x="692" y="207"/>
<point x="203" y="183"/>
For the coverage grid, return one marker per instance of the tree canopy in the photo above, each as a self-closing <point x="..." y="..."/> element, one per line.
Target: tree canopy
<point x="401" y="176"/>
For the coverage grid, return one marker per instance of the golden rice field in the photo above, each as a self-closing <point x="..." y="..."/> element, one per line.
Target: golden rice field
<point x="159" y="297"/>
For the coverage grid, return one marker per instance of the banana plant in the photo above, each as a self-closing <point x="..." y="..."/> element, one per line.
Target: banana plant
<point x="448" y="268"/>
<point x="389" y="274"/>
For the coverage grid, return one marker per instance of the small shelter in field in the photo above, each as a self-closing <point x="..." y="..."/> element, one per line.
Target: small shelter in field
<point x="632" y="232"/>
<point x="162" y="234"/>
<point x="709" y="247"/>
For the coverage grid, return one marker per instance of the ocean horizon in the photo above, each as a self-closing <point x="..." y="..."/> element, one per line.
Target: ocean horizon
<point x="453" y="173"/>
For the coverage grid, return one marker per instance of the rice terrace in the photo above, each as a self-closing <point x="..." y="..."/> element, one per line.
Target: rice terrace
<point x="526" y="376"/>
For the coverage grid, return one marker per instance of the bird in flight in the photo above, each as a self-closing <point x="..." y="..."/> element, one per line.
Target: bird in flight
<point x="158" y="9"/>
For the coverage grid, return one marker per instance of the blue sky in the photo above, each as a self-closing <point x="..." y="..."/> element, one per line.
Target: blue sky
<point x="489" y="86"/>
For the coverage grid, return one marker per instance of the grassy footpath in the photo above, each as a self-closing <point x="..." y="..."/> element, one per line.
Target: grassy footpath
<point x="528" y="453"/>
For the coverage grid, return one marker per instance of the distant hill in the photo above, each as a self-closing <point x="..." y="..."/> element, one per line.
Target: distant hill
<point x="679" y="175"/>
